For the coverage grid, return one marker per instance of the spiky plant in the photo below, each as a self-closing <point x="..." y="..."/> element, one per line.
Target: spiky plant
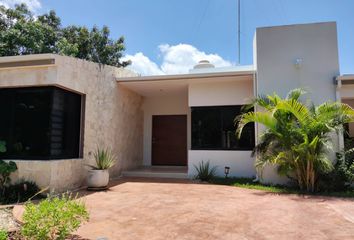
<point x="297" y="137"/>
<point x="104" y="159"/>
<point x="205" y="172"/>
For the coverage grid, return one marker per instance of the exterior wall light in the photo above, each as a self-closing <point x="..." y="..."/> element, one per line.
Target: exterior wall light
<point x="298" y="63"/>
<point x="226" y="171"/>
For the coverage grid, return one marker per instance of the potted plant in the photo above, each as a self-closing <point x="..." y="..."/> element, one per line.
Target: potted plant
<point x="98" y="175"/>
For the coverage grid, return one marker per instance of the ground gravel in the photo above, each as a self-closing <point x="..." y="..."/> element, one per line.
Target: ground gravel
<point x="7" y="222"/>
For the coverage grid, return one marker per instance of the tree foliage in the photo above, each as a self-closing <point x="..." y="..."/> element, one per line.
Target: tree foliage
<point x="297" y="136"/>
<point x="21" y="33"/>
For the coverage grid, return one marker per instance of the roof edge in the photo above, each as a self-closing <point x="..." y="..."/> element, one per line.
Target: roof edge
<point x="186" y="76"/>
<point x="30" y="57"/>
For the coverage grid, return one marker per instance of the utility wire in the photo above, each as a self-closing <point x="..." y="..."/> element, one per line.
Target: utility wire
<point x="201" y="19"/>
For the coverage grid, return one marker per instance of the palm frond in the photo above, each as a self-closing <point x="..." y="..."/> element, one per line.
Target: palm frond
<point x="300" y="111"/>
<point x="263" y="118"/>
<point x="295" y="94"/>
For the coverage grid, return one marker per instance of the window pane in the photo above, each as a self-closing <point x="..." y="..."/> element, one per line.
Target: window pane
<point x="228" y="126"/>
<point x="214" y="128"/>
<point x="40" y="123"/>
<point x="206" y="128"/>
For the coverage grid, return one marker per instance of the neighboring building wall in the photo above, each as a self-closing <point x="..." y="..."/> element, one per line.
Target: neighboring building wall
<point x="163" y="105"/>
<point x="347" y="92"/>
<point x="225" y="91"/>
<point x="350" y="102"/>
<point x="112" y="118"/>
<point x="277" y="49"/>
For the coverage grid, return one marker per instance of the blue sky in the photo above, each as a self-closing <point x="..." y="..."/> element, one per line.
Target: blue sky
<point x="161" y="34"/>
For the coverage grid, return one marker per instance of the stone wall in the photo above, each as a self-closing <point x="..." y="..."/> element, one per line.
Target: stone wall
<point x="58" y="175"/>
<point x="112" y="119"/>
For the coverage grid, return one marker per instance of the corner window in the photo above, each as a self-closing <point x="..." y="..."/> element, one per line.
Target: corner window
<point x="40" y="123"/>
<point x="213" y="128"/>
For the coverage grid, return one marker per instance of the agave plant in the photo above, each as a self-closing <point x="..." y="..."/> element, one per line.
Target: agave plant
<point x="104" y="159"/>
<point x="205" y="172"/>
<point x="297" y="136"/>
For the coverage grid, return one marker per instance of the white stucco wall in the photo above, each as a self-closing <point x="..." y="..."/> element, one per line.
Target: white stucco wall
<point x="225" y="91"/>
<point x="240" y="162"/>
<point x="277" y="48"/>
<point x="176" y="104"/>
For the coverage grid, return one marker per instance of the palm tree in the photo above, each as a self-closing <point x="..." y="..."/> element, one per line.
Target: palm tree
<point x="297" y="137"/>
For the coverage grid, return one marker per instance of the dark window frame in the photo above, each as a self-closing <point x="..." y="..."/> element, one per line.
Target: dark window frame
<point x="71" y="98"/>
<point x="221" y="148"/>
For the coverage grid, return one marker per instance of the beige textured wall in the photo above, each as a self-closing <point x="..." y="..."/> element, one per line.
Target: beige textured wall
<point x="58" y="175"/>
<point x="113" y="119"/>
<point x="113" y="115"/>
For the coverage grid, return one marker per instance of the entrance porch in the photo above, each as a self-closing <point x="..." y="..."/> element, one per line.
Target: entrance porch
<point x="180" y="172"/>
<point x="174" y="143"/>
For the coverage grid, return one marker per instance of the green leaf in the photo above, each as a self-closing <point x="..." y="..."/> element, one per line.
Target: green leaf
<point x="2" y="146"/>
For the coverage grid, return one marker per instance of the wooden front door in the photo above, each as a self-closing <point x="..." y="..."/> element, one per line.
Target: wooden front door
<point x="169" y="140"/>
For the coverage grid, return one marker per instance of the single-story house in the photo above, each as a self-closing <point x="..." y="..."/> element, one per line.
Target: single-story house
<point x="56" y="110"/>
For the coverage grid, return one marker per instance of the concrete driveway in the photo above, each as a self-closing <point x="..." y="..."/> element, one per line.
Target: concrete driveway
<point x="178" y="209"/>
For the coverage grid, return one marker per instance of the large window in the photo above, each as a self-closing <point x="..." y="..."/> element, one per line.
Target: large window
<point x="40" y="123"/>
<point x="213" y="128"/>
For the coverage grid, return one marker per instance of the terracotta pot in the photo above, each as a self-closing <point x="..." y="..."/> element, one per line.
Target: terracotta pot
<point x="97" y="178"/>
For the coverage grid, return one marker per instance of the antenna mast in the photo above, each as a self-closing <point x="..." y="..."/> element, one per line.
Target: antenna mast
<point x="239" y="31"/>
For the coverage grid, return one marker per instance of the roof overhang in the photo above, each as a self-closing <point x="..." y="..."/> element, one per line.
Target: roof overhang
<point x="163" y="85"/>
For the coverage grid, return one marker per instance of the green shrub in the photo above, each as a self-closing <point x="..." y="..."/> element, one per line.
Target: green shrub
<point x="3" y="234"/>
<point x="19" y="192"/>
<point x="342" y="176"/>
<point x="205" y="172"/>
<point x="53" y="218"/>
<point x="6" y="168"/>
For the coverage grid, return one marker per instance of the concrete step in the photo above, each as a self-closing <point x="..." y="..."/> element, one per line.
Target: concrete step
<point x="158" y="172"/>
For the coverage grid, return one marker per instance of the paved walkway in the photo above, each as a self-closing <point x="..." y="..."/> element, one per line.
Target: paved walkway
<point x="162" y="209"/>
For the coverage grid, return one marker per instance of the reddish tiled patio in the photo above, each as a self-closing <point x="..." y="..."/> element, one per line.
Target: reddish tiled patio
<point x="179" y="209"/>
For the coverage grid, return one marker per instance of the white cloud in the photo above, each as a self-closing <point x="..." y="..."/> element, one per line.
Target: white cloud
<point x="33" y="5"/>
<point x="142" y="64"/>
<point x="175" y="59"/>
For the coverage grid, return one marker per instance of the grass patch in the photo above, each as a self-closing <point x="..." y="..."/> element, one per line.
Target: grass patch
<point x="249" y="184"/>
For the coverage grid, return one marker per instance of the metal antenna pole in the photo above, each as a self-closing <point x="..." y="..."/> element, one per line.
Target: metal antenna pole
<point x="239" y="31"/>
